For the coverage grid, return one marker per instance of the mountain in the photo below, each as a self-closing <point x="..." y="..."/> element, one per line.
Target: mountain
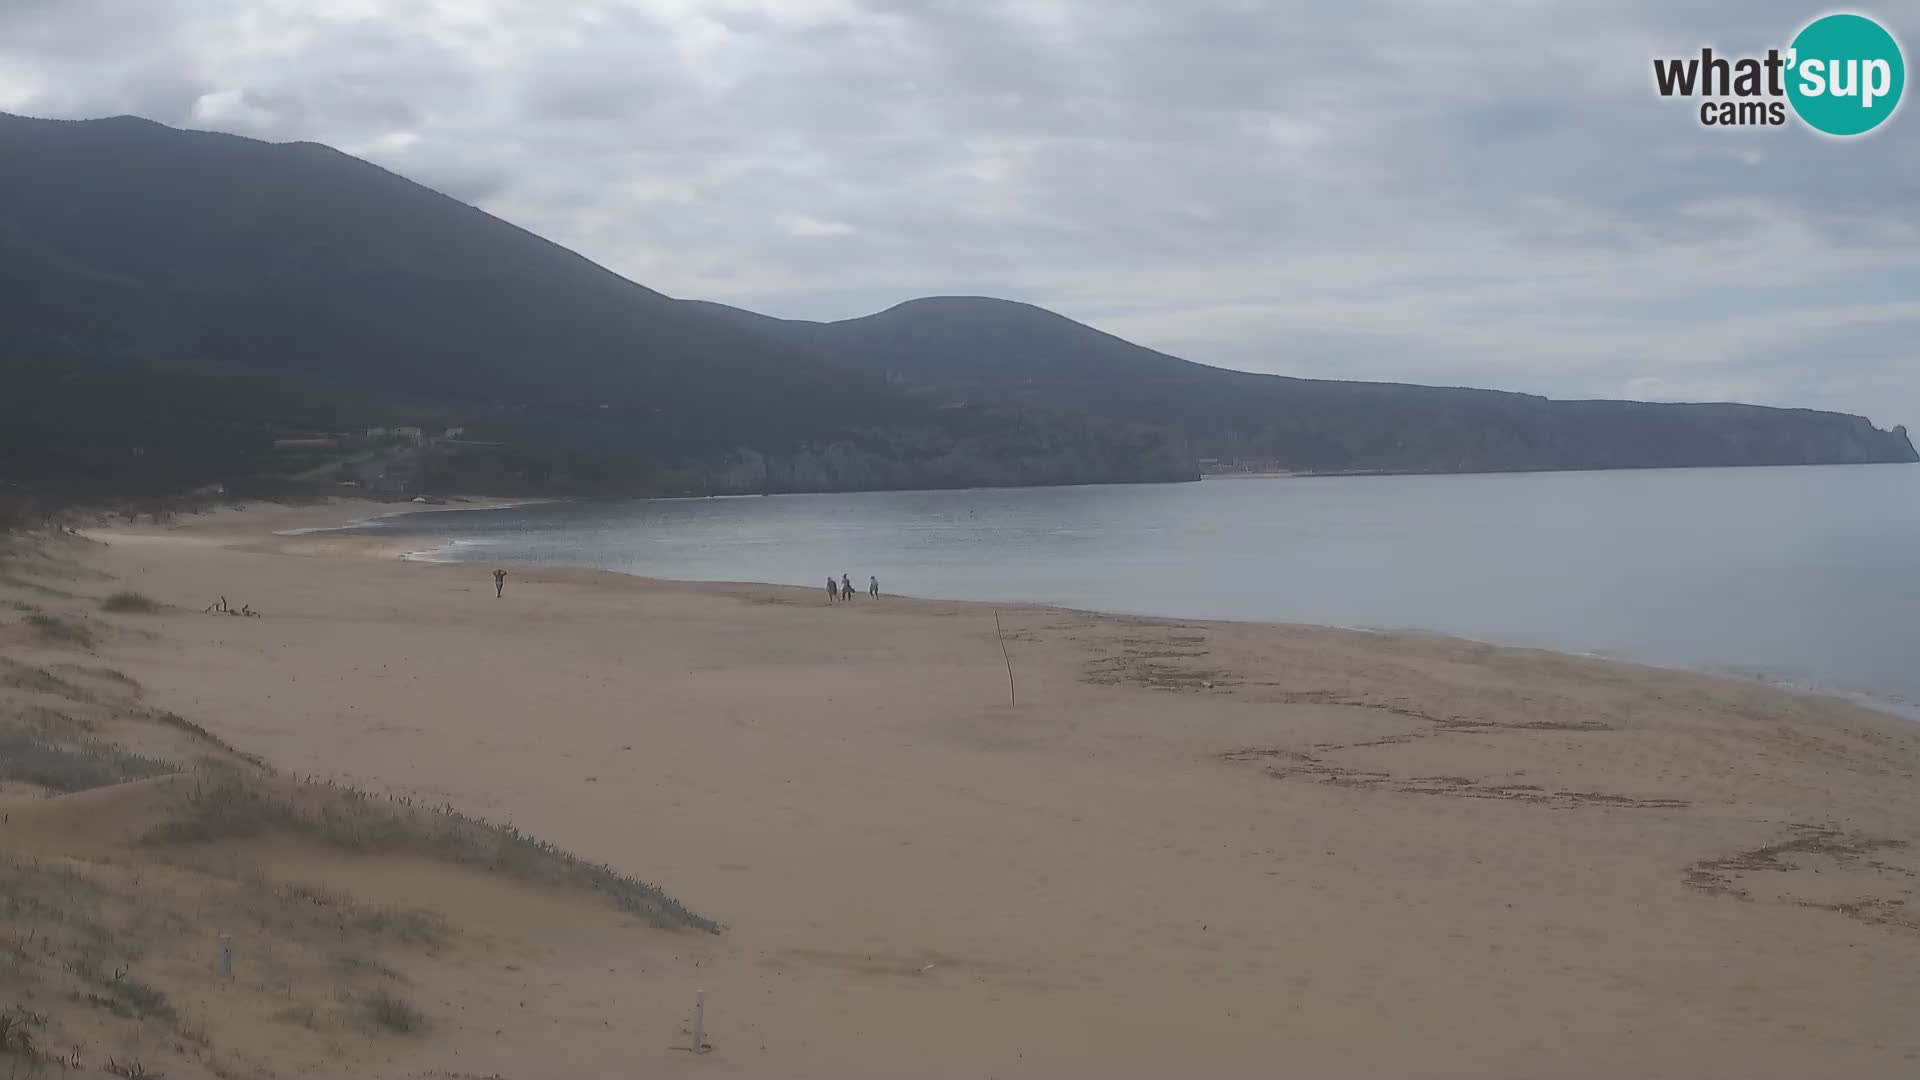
<point x="977" y="349"/>
<point x="172" y="302"/>
<point x="175" y="299"/>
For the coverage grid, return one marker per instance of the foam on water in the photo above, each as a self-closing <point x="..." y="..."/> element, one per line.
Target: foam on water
<point x="459" y="549"/>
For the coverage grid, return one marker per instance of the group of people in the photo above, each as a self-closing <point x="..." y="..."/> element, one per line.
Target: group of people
<point x="836" y="590"/>
<point x="843" y="589"/>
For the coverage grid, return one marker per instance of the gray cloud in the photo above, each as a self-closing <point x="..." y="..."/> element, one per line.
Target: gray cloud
<point x="1485" y="195"/>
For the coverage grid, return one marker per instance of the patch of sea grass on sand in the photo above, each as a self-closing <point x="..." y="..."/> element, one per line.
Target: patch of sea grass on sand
<point x="60" y="630"/>
<point x="141" y="996"/>
<point x="50" y="723"/>
<point x="65" y="728"/>
<point x="111" y="951"/>
<point x="64" y="768"/>
<point x="76" y="939"/>
<point x="233" y="805"/>
<point x="45" y="551"/>
<point x="393" y="1012"/>
<point x="17" y="1026"/>
<point x="100" y="673"/>
<point x="200" y="734"/>
<point x="20" y="676"/>
<point x="236" y="794"/>
<point x="20" y="581"/>
<point x="129" y="602"/>
<point x="408" y="926"/>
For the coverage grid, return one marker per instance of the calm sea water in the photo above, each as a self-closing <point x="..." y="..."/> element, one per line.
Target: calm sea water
<point x="1809" y="576"/>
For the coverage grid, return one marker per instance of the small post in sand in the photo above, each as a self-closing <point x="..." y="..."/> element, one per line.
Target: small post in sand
<point x="998" y="633"/>
<point x="226" y="956"/>
<point x="700" y="1021"/>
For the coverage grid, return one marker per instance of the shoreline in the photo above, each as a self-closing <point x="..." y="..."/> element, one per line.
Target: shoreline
<point x="1786" y="683"/>
<point x="1188" y="846"/>
<point x="1306" y="475"/>
<point x="476" y="504"/>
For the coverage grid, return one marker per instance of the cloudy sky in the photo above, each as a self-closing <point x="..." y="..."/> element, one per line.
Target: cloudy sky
<point x="1487" y="194"/>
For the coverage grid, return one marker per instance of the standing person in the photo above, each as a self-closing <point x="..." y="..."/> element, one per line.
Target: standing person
<point x="499" y="583"/>
<point x="873" y="586"/>
<point x="846" y="587"/>
<point x="833" y="589"/>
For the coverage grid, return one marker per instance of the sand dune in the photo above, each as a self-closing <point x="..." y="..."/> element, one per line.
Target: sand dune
<point x="1191" y="848"/>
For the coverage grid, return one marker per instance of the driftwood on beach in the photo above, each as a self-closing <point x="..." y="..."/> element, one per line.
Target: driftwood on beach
<point x="221" y="607"/>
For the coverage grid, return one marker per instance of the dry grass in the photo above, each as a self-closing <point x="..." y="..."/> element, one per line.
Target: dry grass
<point x="28" y="759"/>
<point x="202" y="735"/>
<point x="300" y="1016"/>
<point x="57" y="630"/>
<point x="70" y="931"/>
<point x="142" y="997"/>
<point x="128" y="602"/>
<point x="33" y="680"/>
<point x="417" y="927"/>
<point x="234" y="805"/>
<point x="110" y="950"/>
<point x="393" y="1012"/>
<point x="132" y="1069"/>
<point x="410" y="926"/>
<point x="17" y="1027"/>
<point x="115" y="949"/>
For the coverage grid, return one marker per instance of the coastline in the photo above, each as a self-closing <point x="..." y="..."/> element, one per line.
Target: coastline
<point x="1309" y="474"/>
<point x="1785" y="682"/>
<point x="466" y="503"/>
<point x="1189" y="846"/>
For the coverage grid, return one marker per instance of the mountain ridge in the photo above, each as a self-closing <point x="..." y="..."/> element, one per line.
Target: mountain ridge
<point x="181" y="261"/>
<point x="968" y="348"/>
<point x="182" y="298"/>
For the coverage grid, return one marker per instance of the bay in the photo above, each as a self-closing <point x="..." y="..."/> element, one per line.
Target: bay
<point x="1806" y="576"/>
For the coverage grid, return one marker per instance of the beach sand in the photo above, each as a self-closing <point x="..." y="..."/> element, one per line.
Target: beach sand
<point x="1189" y="848"/>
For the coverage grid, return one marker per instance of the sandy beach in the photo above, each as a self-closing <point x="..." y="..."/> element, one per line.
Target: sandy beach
<point x="1189" y="848"/>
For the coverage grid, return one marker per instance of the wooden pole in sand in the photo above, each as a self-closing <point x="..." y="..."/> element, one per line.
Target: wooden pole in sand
<point x="997" y="632"/>
<point x="700" y="1021"/>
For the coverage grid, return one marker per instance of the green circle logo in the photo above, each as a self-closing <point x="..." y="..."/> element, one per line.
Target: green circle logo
<point x="1845" y="74"/>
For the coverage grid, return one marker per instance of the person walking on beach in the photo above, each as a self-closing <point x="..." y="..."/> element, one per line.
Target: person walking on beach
<point x="873" y="586"/>
<point x="846" y="587"/>
<point x="499" y="583"/>
<point x="833" y="589"/>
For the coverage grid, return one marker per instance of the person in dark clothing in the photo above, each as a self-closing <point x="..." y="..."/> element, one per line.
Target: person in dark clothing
<point x="873" y="586"/>
<point x="833" y="589"/>
<point x="499" y="583"/>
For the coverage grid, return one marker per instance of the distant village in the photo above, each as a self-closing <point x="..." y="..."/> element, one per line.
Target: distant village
<point x="1236" y="466"/>
<point x="382" y="462"/>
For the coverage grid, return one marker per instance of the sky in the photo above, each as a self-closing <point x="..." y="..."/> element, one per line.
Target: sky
<point x="1487" y="194"/>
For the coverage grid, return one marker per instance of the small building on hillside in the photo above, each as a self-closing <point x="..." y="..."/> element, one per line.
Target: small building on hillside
<point x="390" y="486"/>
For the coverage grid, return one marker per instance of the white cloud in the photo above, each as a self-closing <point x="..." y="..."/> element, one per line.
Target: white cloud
<point x="802" y="225"/>
<point x="232" y="110"/>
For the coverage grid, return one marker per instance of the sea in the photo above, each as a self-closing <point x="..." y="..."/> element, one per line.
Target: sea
<point x="1805" y="576"/>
